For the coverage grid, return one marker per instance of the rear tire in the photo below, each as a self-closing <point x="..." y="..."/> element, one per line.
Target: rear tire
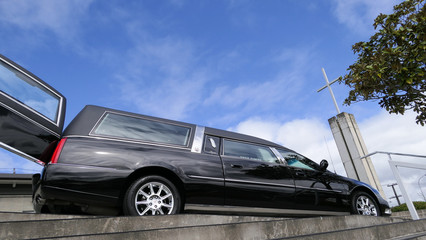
<point x="38" y="206"/>
<point x="152" y="195"/>
<point x="364" y="204"/>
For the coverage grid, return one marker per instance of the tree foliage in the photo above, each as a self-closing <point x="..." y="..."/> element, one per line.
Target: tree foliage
<point x="391" y="66"/>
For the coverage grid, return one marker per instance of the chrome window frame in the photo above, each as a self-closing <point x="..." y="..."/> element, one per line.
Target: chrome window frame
<point x="222" y="152"/>
<point x="93" y="134"/>
<point x="279" y="156"/>
<point x="60" y="102"/>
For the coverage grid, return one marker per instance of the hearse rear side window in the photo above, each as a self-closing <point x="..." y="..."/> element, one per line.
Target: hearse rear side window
<point x="120" y="126"/>
<point x="26" y="91"/>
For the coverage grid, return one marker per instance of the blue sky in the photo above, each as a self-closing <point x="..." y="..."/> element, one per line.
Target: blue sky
<point x="248" y="66"/>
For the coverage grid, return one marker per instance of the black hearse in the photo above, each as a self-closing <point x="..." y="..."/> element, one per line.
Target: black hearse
<point x="114" y="162"/>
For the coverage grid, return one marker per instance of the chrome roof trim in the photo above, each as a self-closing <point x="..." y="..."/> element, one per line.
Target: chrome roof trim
<point x="126" y="141"/>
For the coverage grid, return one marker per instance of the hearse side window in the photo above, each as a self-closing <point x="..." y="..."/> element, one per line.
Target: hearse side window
<point x="296" y="160"/>
<point x="26" y="91"/>
<point x="248" y="151"/>
<point x="120" y="126"/>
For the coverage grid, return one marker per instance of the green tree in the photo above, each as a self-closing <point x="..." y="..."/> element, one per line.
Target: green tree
<point x="390" y="68"/>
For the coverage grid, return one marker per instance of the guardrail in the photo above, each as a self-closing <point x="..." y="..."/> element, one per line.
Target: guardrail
<point x="394" y="166"/>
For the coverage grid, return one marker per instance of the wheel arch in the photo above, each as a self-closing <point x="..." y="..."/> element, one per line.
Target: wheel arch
<point x="363" y="189"/>
<point x="366" y="190"/>
<point x="155" y="170"/>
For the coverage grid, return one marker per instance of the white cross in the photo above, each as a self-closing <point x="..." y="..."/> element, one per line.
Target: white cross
<point x="327" y="85"/>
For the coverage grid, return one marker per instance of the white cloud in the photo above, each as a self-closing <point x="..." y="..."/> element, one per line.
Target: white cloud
<point x="394" y="133"/>
<point x="181" y="75"/>
<point x="359" y="15"/>
<point x="259" y="128"/>
<point x="59" y="17"/>
<point x="173" y="98"/>
<point x="272" y="92"/>
<point x="382" y="132"/>
<point x="250" y="95"/>
<point x="161" y="75"/>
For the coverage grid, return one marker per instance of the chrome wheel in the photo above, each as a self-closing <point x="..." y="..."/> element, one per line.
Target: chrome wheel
<point x="154" y="198"/>
<point x="365" y="206"/>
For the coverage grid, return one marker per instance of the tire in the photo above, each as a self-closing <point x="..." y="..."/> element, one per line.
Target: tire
<point x="151" y="195"/>
<point x="38" y="206"/>
<point x="363" y="204"/>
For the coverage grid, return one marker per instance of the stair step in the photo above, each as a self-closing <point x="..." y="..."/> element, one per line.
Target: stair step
<point x="61" y="225"/>
<point x="13" y="216"/>
<point x="395" y="231"/>
<point x="412" y="236"/>
<point x="184" y="226"/>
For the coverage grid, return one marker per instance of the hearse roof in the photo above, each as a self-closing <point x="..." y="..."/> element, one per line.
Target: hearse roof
<point x="88" y="117"/>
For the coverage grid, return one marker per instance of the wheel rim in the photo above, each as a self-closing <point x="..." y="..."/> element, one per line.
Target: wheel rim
<point x="154" y="198"/>
<point x="366" y="206"/>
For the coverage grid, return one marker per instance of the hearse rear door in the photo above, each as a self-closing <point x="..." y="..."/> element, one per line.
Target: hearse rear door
<point x="31" y="112"/>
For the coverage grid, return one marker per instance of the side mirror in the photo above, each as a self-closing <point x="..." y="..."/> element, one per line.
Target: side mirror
<point x="323" y="165"/>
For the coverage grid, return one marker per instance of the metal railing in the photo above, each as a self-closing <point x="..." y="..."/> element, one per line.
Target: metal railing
<point x="394" y="166"/>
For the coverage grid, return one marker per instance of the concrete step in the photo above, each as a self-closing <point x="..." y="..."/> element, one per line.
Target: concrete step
<point x="406" y="214"/>
<point x="394" y="231"/>
<point x="255" y="230"/>
<point x="13" y="216"/>
<point x="412" y="236"/>
<point x="184" y="226"/>
<point x="46" y="225"/>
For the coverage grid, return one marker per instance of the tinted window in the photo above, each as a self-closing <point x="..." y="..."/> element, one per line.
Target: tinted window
<point x="296" y="160"/>
<point x="28" y="92"/>
<point x="248" y="151"/>
<point x="142" y="129"/>
<point x="211" y="145"/>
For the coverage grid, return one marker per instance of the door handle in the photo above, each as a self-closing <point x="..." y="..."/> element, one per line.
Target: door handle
<point x="300" y="174"/>
<point x="236" y="166"/>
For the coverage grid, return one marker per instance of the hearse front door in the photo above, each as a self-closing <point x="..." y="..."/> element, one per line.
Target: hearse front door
<point x="254" y="177"/>
<point x="31" y="112"/>
<point x="316" y="189"/>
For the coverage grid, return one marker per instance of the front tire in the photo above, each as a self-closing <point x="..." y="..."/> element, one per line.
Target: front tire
<point x="151" y="195"/>
<point x="364" y="204"/>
